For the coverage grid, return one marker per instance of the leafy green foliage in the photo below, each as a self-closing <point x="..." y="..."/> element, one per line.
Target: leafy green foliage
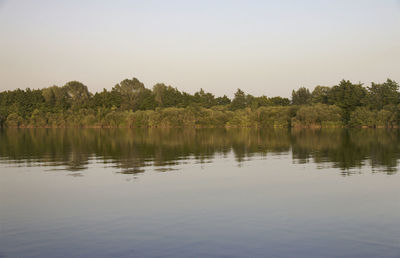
<point x="318" y="115"/>
<point x="320" y="94"/>
<point x="239" y="101"/>
<point x="347" y="96"/>
<point x="301" y="97"/>
<point x="131" y="104"/>
<point x="381" y="95"/>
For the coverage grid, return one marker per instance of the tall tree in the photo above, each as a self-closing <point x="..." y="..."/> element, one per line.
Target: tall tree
<point x="347" y="96"/>
<point x="239" y="101"/>
<point x="167" y="96"/>
<point x="320" y="94"/>
<point x="223" y="101"/>
<point x="279" y="101"/>
<point x="77" y="92"/>
<point x="301" y="97"/>
<point x="380" y="95"/>
<point x="130" y="92"/>
<point x="206" y="100"/>
<point x="134" y="95"/>
<point x="56" y="98"/>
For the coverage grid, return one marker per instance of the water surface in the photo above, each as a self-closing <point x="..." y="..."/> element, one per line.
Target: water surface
<point x="215" y="192"/>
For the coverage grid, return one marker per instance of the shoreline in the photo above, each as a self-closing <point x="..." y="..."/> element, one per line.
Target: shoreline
<point x="201" y="127"/>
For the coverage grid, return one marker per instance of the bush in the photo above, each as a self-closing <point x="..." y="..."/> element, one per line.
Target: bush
<point x="362" y="117"/>
<point x="318" y="115"/>
<point x="278" y="116"/>
<point x="240" y="118"/>
<point x="14" y="120"/>
<point x="139" y="118"/>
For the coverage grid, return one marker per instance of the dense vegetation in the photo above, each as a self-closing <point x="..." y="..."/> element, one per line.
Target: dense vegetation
<point x="131" y="104"/>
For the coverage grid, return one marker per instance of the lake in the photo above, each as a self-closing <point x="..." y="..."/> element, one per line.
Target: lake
<point x="199" y="193"/>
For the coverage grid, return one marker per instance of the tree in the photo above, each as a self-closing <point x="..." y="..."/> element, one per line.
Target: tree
<point x="380" y="95"/>
<point x="301" y="97"/>
<point x="56" y="98"/>
<point x="167" y="96"/>
<point x="239" y="101"/>
<point x="362" y="116"/>
<point x="263" y="101"/>
<point x="14" y="120"/>
<point x="130" y="91"/>
<point x="106" y="99"/>
<point x="223" y="101"/>
<point x="77" y="92"/>
<point x="145" y="100"/>
<point x="320" y="94"/>
<point x="74" y="105"/>
<point x="347" y="96"/>
<point x="186" y="99"/>
<point x="279" y="101"/>
<point x="128" y="87"/>
<point x="206" y="100"/>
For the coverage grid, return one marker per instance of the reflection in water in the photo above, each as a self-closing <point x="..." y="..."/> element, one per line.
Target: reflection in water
<point x="243" y="193"/>
<point x="132" y="150"/>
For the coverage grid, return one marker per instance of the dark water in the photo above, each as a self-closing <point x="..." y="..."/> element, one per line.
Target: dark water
<point x="199" y="193"/>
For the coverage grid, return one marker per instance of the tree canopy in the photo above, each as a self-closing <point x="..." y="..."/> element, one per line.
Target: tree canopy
<point x="72" y="104"/>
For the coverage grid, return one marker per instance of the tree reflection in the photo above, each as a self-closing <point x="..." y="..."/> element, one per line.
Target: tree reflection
<point x="132" y="150"/>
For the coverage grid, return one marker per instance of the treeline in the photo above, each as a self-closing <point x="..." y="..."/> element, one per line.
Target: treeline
<point x="131" y="104"/>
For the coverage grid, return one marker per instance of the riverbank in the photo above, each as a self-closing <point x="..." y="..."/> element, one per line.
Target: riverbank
<point x="313" y="116"/>
<point x="131" y="105"/>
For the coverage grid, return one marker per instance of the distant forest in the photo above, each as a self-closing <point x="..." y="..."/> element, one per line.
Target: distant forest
<point x="131" y="104"/>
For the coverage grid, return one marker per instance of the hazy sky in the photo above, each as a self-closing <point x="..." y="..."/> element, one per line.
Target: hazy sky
<point x="262" y="47"/>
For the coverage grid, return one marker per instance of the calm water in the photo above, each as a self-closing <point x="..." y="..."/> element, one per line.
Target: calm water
<point x="191" y="193"/>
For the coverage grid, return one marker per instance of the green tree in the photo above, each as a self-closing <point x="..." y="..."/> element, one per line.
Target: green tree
<point x="106" y="99"/>
<point x="14" y="120"/>
<point x="222" y="101"/>
<point x="130" y="91"/>
<point x="320" y="94"/>
<point x="56" y="98"/>
<point x="362" y="117"/>
<point x="301" y="97"/>
<point x="380" y="95"/>
<point x="167" y="96"/>
<point x="206" y="100"/>
<point x="239" y="101"/>
<point x="347" y="96"/>
<point x="78" y="93"/>
<point x="279" y="101"/>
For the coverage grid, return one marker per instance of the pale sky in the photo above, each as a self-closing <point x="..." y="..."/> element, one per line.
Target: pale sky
<point x="262" y="47"/>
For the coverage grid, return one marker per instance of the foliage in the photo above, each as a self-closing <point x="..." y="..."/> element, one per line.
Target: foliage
<point x="131" y="104"/>
<point x="320" y="94"/>
<point x="276" y="116"/>
<point x="347" y="96"/>
<point x="381" y="95"/>
<point x="239" y="101"/>
<point x="317" y="115"/>
<point x="301" y="97"/>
